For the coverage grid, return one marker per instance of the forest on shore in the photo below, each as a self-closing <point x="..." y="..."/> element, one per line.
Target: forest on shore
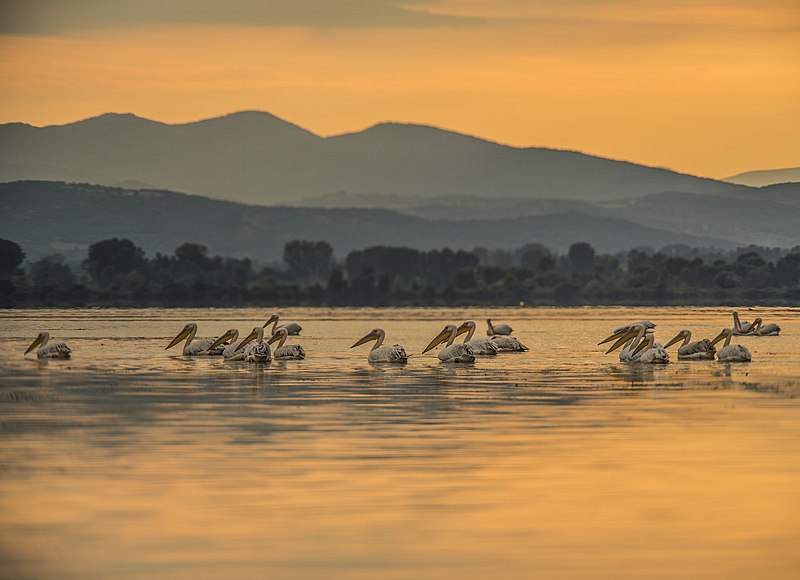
<point x="116" y="272"/>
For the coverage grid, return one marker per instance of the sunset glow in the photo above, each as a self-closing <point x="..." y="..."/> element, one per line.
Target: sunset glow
<point x="708" y="87"/>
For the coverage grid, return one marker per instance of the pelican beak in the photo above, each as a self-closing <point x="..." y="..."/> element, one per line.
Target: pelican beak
<point x="35" y="343"/>
<point x="440" y="338"/>
<point x="674" y="340"/>
<point x="272" y="319"/>
<point x="274" y="338"/>
<point x="625" y="337"/>
<point x="462" y="329"/>
<point x="249" y="338"/>
<point x="224" y="338"/>
<point x="641" y="347"/>
<point x="371" y="336"/>
<point x="720" y="336"/>
<point x="181" y="336"/>
<point x="614" y="336"/>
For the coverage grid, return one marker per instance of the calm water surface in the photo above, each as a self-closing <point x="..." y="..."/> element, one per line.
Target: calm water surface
<point x="130" y="461"/>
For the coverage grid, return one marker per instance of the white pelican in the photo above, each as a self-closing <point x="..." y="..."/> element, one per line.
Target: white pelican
<point x="228" y="340"/>
<point x="378" y="353"/>
<point x="456" y="353"/>
<point x="258" y="351"/>
<point x="508" y="343"/>
<point x="49" y="349"/>
<point x="770" y="329"/>
<point x="495" y="329"/>
<point x="291" y="327"/>
<point x="195" y="348"/>
<point x="289" y="351"/>
<point x="731" y="352"/>
<point x="698" y="350"/>
<point x="641" y="346"/>
<point x="483" y="346"/>
<point x="741" y="328"/>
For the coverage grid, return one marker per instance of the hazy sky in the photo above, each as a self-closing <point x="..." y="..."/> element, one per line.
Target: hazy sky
<point x="702" y="86"/>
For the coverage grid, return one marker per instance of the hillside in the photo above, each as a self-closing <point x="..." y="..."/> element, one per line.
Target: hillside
<point x="766" y="177"/>
<point x="257" y="158"/>
<point x="52" y="217"/>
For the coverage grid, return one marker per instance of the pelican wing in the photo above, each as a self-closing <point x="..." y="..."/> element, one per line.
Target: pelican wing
<point x="393" y="354"/>
<point x="257" y="352"/>
<point x="54" y="350"/>
<point x="290" y="351"/>
<point x="483" y="346"/>
<point x="509" y="343"/>
<point x="457" y="353"/>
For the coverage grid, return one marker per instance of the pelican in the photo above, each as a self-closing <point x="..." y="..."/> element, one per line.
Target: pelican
<point x="49" y="349"/>
<point x="229" y="351"/>
<point x="766" y="330"/>
<point x="641" y="346"/>
<point x="618" y="332"/>
<point x="731" y="352"/>
<point x="508" y="343"/>
<point x="259" y="351"/>
<point x="378" y="353"/>
<point x="483" y="346"/>
<point x="741" y="328"/>
<point x="288" y="352"/>
<point x="291" y="327"/>
<point x="495" y="329"/>
<point x="201" y="347"/>
<point x="698" y="350"/>
<point x="456" y="353"/>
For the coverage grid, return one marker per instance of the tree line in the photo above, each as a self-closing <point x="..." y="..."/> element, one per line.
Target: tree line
<point x="116" y="272"/>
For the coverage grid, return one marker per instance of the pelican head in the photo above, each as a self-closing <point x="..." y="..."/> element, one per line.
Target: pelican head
<point x="280" y="334"/>
<point x="725" y="333"/>
<point x="230" y="334"/>
<point x="256" y="334"/>
<point x="274" y="318"/>
<point x="465" y="327"/>
<point x="374" y="334"/>
<point x="444" y="335"/>
<point x="41" y="340"/>
<point x="682" y="335"/>
<point x="187" y="330"/>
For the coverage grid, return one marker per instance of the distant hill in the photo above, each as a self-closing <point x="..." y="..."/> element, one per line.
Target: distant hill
<point x="257" y="158"/>
<point x="52" y="217"/>
<point x="766" y="177"/>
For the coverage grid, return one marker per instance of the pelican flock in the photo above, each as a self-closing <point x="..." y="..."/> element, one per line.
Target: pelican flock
<point x="636" y="343"/>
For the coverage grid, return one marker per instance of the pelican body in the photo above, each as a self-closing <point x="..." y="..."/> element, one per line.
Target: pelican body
<point x="731" y="352"/>
<point x="291" y="327"/>
<point x="640" y="346"/>
<point x="697" y="350"/>
<point x="258" y="351"/>
<point x="378" y="353"/>
<point x="479" y="346"/>
<point x="289" y="351"/>
<point x="452" y="353"/>
<point x="508" y="344"/>
<point x="770" y="329"/>
<point x="201" y="347"/>
<point x="49" y="349"/>
<point x="495" y="329"/>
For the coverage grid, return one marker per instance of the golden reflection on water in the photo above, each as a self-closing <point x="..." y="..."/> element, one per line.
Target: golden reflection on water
<point x="129" y="461"/>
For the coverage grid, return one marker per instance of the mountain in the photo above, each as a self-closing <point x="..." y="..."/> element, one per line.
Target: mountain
<point x="257" y="158"/>
<point x="54" y="217"/>
<point x="766" y="177"/>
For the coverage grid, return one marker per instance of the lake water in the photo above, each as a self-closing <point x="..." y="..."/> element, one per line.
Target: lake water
<point x="129" y="461"/>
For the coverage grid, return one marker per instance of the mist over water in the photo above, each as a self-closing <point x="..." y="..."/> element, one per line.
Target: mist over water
<point x="129" y="461"/>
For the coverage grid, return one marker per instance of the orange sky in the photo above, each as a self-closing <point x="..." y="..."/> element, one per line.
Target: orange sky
<point x="705" y="86"/>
